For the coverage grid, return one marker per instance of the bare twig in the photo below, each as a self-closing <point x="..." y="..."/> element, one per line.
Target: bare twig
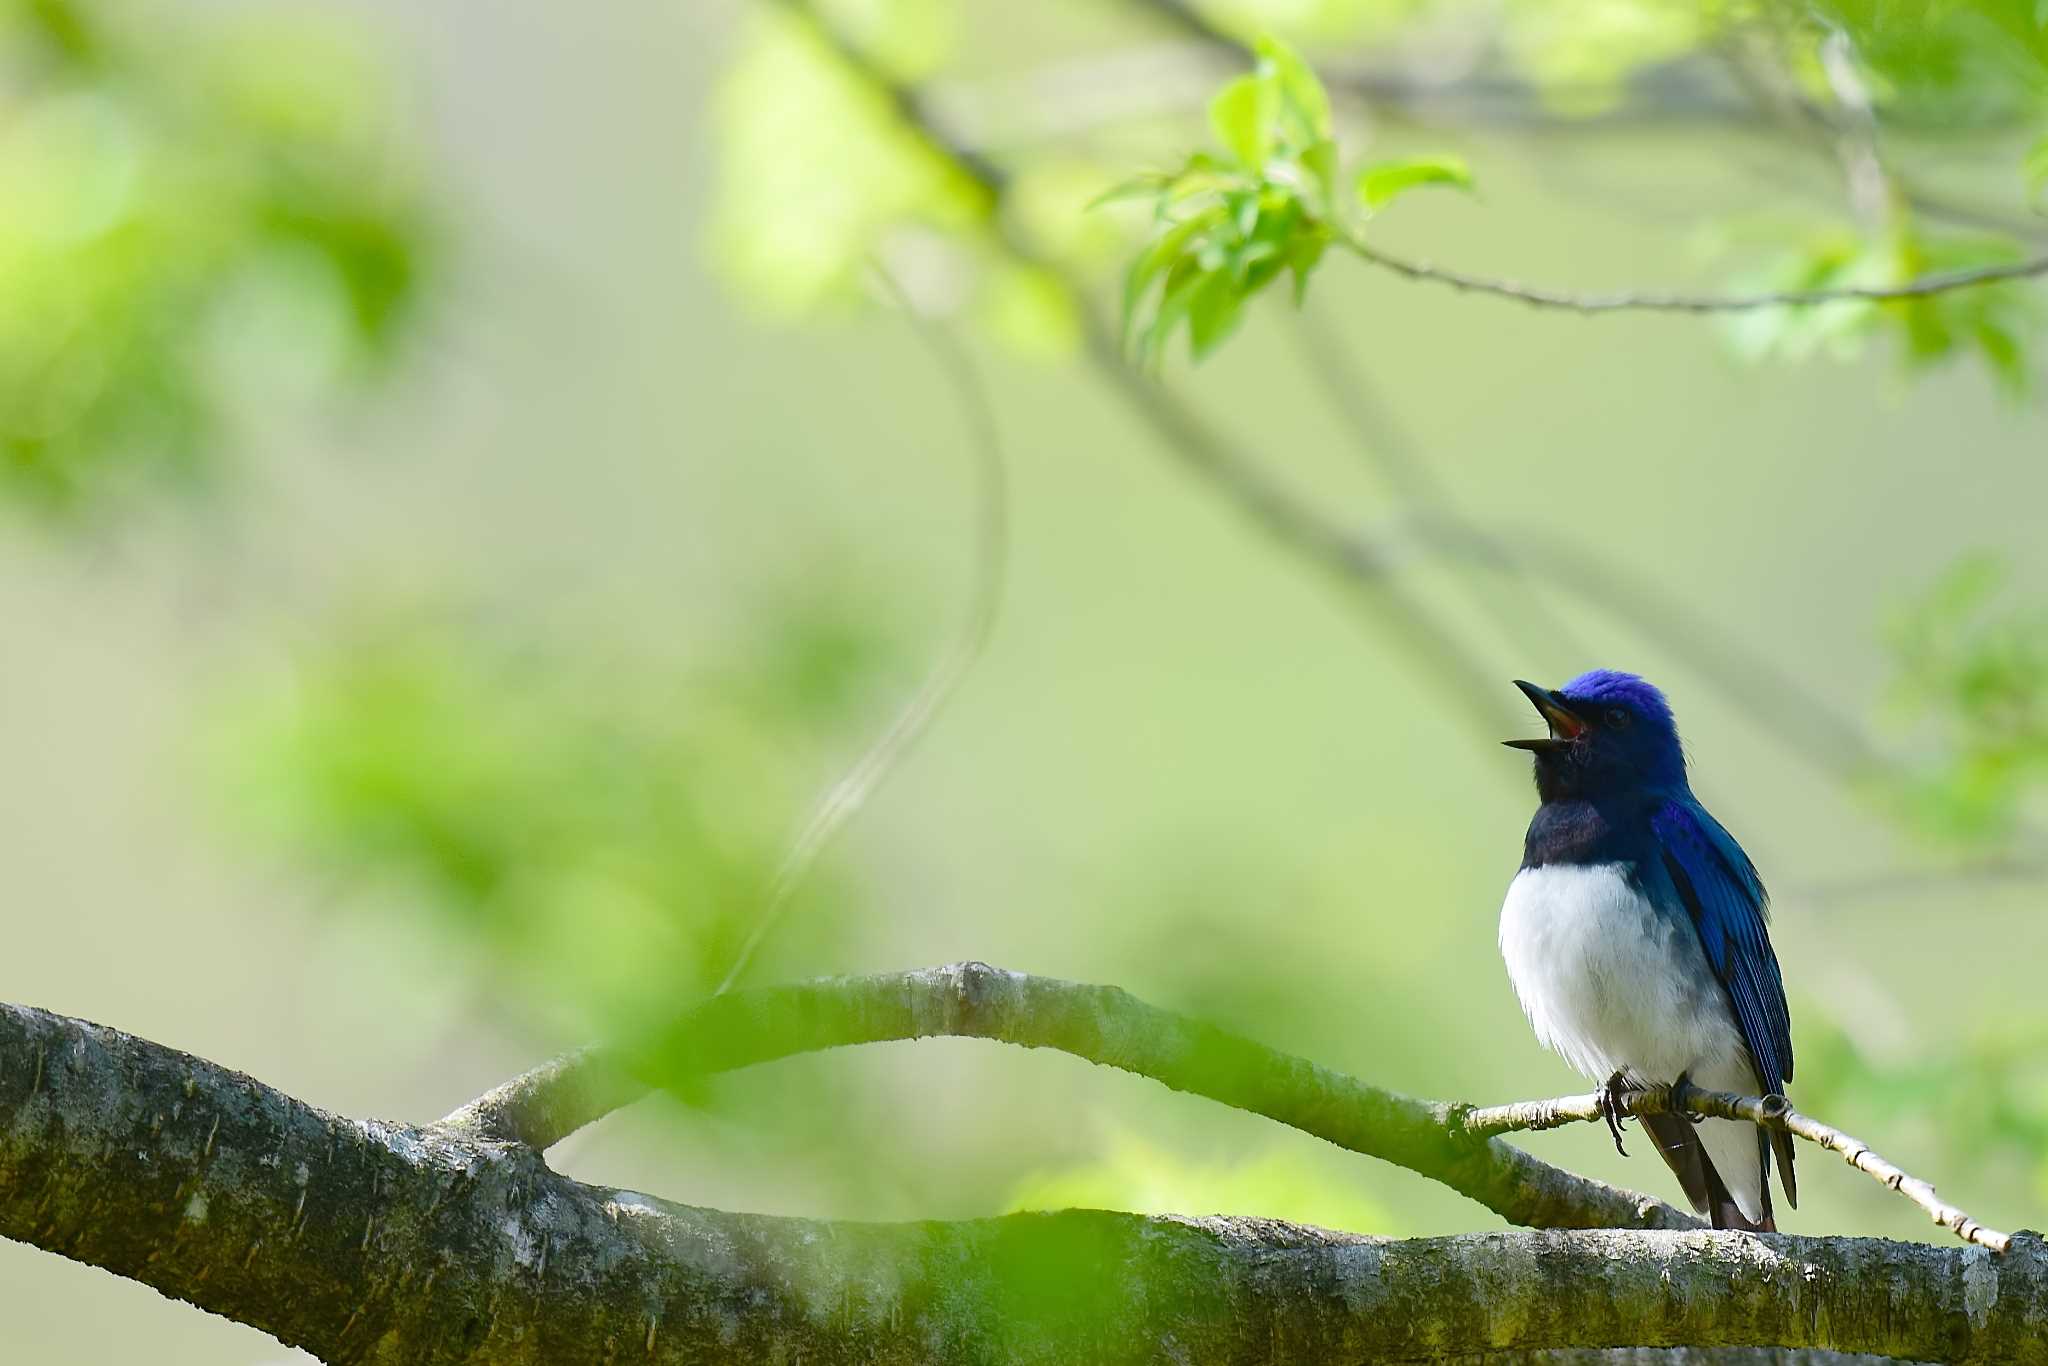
<point x="1289" y="519"/>
<point x="1772" y="1112"/>
<point x="1536" y="630"/>
<point x="542" y="1107"/>
<point x="985" y="597"/>
<point x="1652" y="301"/>
<point x="1768" y="695"/>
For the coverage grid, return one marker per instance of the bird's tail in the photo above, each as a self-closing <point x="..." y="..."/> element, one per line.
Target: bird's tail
<point x="1678" y="1143"/>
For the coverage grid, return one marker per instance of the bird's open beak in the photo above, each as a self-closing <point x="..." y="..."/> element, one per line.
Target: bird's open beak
<point x="1565" y="725"/>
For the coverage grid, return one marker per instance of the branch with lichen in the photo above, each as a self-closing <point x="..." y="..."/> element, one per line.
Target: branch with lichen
<point x="379" y="1244"/>
<point x="1446" y="1141"/>
<point x="1103" y="1025"/>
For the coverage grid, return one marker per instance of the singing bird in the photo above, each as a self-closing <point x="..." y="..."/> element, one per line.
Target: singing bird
<point x="1635" y="936"/>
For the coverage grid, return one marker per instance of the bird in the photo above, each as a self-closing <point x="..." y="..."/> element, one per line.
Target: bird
<point x="1636" y="935"/>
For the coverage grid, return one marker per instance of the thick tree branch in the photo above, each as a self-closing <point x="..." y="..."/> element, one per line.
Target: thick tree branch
<point x="1102" y="1024"/>
<point x="1770" y="1111"/>
<point x="378" y="1244"/>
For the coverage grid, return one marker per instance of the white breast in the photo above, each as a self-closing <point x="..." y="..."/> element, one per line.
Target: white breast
<point x="1612" y="986"/>
<point x="1609" y="984"/>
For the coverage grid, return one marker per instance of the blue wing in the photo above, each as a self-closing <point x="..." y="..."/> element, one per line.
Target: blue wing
<point x="1729" y="906"/>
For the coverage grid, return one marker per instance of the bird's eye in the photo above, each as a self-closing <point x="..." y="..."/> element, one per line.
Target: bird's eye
<point x="1618" y="718"/>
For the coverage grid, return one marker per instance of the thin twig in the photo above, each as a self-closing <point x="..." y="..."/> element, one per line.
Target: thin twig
<point x="1772" y="1112"/>
<point x="1652" y="301"/>
<point x="1521" y="105"/>
<point x="1766" y="693"/>
<point x="985" y="598"/>
<point x="1527" y="620"/>
<point x="1275" y="509"/>
<point x="542" y="1107"/>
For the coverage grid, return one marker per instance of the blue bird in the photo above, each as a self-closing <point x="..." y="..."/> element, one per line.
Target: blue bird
<point x="1634" y="933"/>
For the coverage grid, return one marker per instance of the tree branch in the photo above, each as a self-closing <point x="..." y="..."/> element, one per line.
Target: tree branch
<point x="1940" y="282"/>
<point x="1364" y="565"/>
<point x="1772" y="1112"/>
<point x="381" y="1244"/>
<point x="1101" y="1024"/>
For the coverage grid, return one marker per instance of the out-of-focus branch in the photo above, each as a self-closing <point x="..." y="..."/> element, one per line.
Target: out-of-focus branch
<point x="1666" y="96"/>
<point x="1101" y="1024"/>
<point x="1368" y="567"/>
<point x="545" y="1105"/>
<point x="1772" y="1112"/>
<point x="382" y="1244"/>
<point x="1771" y="696"/>
<point x="985" y="598"/>
<point x="1328" y="359"/>
<point x="1356" y="563"/>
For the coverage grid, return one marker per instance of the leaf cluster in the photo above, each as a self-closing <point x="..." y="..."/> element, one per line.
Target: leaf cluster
<point x="196" y="217"/>
<point x="1225" y="227"/>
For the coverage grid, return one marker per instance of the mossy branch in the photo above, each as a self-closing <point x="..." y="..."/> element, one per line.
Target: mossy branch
<point x="375" y="1244"/>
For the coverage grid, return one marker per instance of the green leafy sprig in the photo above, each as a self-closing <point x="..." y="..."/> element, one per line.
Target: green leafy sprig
<point x="1224" y="227"/>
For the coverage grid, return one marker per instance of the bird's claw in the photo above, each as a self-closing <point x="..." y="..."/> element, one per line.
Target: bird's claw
<point x="1612" y="1103"/>
<point x="1678" y="1090"/>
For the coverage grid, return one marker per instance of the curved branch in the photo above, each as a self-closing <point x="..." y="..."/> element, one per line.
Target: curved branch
<point x="1772" y="1112"/>
<point x="1940" y="282"/>
<point x="377" y="1244"/>
<point x="1101" y="1024"/>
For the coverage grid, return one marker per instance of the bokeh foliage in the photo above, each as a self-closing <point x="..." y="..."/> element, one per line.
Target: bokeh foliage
<point x="193" y="215"/>
<point x="602" y="823"/>
<point x="1972" y="660"/>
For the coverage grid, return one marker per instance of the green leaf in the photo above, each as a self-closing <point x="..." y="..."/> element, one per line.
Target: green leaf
<point x="1147" y="186"/>
<point x="1381" y="184"/>
<point x="1242" y="117"/>
<point x="1319" y="159"/>
<point x="1165" y="251"/>
<point x="1213" y="311"/>
<point x="1301" y="92"/>
<point x="1303" y="257"/>
<point x="1174" y="302"/>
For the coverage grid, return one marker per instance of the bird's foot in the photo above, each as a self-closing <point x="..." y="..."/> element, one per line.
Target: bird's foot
<point x="1678" y="1090"/>
<point x="1613" y="1102"/>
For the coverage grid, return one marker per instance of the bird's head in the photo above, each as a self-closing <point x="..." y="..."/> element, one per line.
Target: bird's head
<point x="1610" y="732"/>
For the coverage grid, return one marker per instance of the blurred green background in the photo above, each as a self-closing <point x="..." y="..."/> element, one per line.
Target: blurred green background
<point x="461" y="500"/>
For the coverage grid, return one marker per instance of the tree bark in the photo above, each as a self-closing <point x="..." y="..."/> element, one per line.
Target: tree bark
<point x="374" y="1242"/>
<point x="1105" y="1025"/>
